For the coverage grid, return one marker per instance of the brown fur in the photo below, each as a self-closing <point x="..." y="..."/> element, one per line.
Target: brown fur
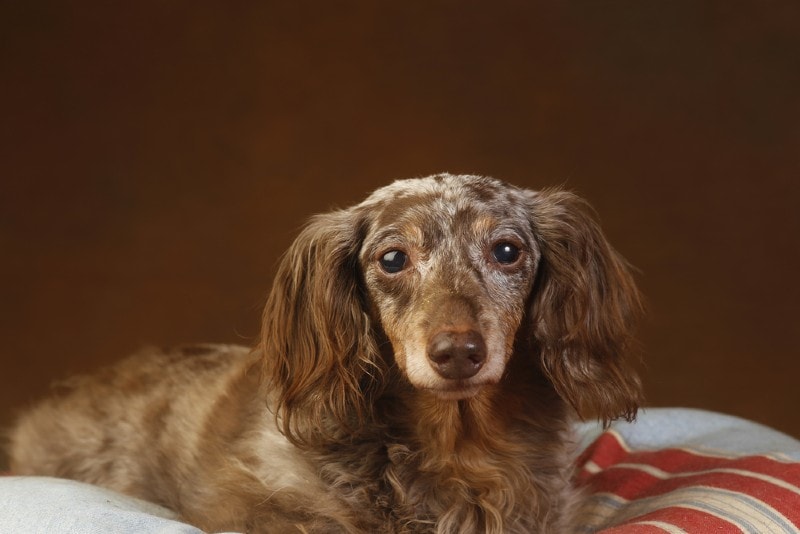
<point x="343" y="419"/>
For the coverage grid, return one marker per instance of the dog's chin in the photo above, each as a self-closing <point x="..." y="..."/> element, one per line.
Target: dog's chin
<point x="456" y="391"/>
<point x="456" y="394"/>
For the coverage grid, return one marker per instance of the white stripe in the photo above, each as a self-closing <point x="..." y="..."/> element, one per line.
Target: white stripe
<point x="620" y="440"/>
<point x="672" y="529"/>
<point x="709" y="452"/>
<point x="598" y="510"/>
<point x="664" y="475"/>
<point x="747" y="513"/>
<point x="592" y="467"/>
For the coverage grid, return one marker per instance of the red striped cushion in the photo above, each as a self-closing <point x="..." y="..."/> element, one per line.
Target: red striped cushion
<point x="681" y="490"/>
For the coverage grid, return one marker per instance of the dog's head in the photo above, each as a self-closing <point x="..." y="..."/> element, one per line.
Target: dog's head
<point x="450" y="270"/>
<point x="448" y="264"/>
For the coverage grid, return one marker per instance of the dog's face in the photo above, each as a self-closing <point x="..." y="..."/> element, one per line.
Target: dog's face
<point x="448" y="265"/>
<point x="452" y="270"/>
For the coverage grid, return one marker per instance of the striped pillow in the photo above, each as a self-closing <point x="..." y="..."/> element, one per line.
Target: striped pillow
<point x="682" y="490"/>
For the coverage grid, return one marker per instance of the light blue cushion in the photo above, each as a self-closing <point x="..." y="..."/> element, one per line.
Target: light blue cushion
<point x="55" y="506"/>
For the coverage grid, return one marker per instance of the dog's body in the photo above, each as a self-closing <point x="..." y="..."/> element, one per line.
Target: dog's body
<point x="423" y="356"/>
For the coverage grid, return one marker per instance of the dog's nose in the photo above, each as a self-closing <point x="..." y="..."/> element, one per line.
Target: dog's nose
<point x="457" y="355"/>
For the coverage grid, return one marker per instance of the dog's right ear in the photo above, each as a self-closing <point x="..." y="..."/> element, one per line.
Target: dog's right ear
<point x="319" y="353"/>
<point x="585" y="310"/>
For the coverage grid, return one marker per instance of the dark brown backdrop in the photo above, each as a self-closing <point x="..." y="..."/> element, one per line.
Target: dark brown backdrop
<point x="157" y="157"/>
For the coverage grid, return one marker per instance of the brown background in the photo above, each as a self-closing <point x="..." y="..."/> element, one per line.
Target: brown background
<point x="157" y="158"/>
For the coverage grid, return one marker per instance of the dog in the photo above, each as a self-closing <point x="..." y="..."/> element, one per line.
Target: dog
<point x="423" y="356"/>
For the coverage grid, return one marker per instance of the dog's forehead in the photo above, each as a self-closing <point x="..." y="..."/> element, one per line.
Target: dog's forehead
<point x="444" y="195"/>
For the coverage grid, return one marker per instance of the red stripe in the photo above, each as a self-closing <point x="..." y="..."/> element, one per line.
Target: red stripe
<point x="631" y="529"/>
<point x="678" y="460"/>
<point x="605" y="450"/>
<point x="609" y="450"/>
<point x="683" y="518"/>
<point x="632" y="483"/>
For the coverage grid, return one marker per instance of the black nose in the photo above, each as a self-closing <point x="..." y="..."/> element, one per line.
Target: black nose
<point x="457" y="355"/>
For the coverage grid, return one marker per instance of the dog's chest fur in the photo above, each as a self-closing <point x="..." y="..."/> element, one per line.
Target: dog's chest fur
<point x="457" y="467"/>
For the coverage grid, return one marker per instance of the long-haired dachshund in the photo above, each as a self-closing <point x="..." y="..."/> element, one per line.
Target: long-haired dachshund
<point x="423" y="356"/>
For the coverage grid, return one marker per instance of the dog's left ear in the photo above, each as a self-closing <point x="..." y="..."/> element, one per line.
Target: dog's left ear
<point x="319" y="355"/>
<point x="585" y="306"/>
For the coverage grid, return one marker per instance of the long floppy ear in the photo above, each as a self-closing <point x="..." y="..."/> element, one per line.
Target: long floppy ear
<point x="585" y="308"/>
<point x="319" y="354"/>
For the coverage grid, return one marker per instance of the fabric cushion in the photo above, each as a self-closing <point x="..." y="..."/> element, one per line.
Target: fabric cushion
<point x="640" y="490"/>
<point x="673" y="470"/>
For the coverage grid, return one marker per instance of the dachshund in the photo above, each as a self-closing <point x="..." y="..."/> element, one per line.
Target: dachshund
<point x="424" y="355"/>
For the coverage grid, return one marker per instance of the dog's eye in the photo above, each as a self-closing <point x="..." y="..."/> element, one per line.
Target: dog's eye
<point x="393" y="261"/>
<point x="505" y="253"/>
